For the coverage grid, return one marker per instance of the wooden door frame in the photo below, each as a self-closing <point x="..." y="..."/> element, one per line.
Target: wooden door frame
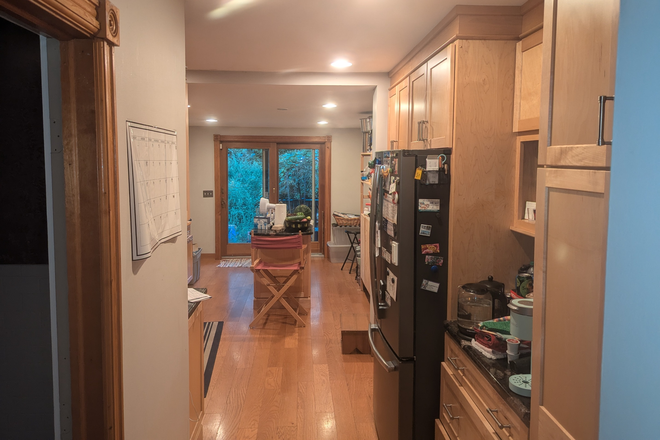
<point x="88" y="31"/>
<point x="325" y="147"/>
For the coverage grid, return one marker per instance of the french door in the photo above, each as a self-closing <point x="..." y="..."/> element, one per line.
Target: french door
<point x="292" y="171"/>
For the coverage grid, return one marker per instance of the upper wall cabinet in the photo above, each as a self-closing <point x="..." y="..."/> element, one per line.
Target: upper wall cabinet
<point x="527" y="99"/>
<point x="579" y="52"/>
<point x="398" y="117"/>
<point x="432" y="102"/>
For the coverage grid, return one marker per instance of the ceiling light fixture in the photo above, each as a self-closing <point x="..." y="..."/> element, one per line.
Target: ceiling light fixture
<point x="329" y="105"/>
<point x="341" y="64"/>
<point x="211" y="120"/>
<point x="188" y="105"/>
<point x="323" y="122"/>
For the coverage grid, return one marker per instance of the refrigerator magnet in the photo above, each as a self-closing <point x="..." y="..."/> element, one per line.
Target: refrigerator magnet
<point x="432" y="177"/>
<point x="390" y="229"/>
<point x="391" y="284"/>
<point x="432" y="260"/>
<point x="418" y="173"/>
<point x="430" y="248"/>
<point x="425" y="230"/>
<point x="429" y="205"/>
<point x="432" y="163"/>
<point x="430" y="286"/>
<point x="387" y="256"/>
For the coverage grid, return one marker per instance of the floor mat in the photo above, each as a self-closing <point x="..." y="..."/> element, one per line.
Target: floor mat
<point x="235" y="262"/>
<point x="212" y="333"/>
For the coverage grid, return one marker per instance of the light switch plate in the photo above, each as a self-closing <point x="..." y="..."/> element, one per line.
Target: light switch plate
<point x="207" y="193"/>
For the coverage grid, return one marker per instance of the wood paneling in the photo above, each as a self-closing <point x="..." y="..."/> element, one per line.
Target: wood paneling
<point x="527" y="94"/>
<point x="579" y="65"/>
<point x="483" y="161"/>
<point x="61" y="19"/>
<point x="569" y="298"/>
<point x="532" y="20"/>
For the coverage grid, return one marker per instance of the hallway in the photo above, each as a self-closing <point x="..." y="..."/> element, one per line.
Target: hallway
<point x="281" y="382"/>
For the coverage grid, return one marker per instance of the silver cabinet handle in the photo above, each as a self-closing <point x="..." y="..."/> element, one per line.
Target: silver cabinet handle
<point x="393" y="145"/>
<point x="499" y="424"/>
<point x="456" y="367"/>
<point x="601" y="119"/>
<point x="451" y="416"/>
<point x="422" y="130"/>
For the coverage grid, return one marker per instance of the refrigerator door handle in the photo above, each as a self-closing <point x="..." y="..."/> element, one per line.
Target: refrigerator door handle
<point x="389" y="366"/>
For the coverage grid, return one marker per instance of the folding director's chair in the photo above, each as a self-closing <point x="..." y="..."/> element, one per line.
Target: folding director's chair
<point x="279" y="284"/>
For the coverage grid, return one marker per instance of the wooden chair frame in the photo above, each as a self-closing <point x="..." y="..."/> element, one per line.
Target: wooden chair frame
<point x="279" y="286"/>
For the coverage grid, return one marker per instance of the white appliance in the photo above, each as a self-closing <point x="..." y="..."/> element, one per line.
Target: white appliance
<point x="276" y="212"/>
<point x="521" y="328"/>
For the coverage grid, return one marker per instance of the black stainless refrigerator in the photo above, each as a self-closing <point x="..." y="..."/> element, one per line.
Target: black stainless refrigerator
<point x="409" y="239"/>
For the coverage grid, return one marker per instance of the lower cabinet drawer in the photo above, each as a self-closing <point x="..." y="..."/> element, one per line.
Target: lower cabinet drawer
<point x="458" y="413"/>
<point x="440" y="433"/>
<point x="491" y="406"/>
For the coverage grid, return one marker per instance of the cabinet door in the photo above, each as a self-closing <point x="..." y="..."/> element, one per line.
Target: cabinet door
<point x="527" y="100"/>
<point x="440" y="107"/>
<point x="403" y="116"/>
<point x="418" y="109"/>
<point x="579" y="58"/>
<point x="392" y="117"/>
<point x="571" y="237"/>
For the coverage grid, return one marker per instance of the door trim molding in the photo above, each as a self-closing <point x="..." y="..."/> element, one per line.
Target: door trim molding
<point x="89" y="133"/>
<point x="325" y="149"/>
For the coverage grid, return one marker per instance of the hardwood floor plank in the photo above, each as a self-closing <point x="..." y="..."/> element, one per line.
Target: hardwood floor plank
<point x="279" y="381"/>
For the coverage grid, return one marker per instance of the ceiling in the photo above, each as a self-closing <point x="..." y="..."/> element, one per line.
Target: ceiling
<point x="300" y="36"/>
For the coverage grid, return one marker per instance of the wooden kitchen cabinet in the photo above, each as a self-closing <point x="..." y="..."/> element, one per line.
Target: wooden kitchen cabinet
<point x="399" y="114"/>
<point x="432" y="102"/>
<point x="527" y="154"/>
<point x="440" y="107"/>
<point x="196" y="372"/>
<point x="579" y="60"/>
<point x="458" y="412"/>
<point x="571" y="236"/>
<point x="527" y="99"/>
<point x="484" y="397"/>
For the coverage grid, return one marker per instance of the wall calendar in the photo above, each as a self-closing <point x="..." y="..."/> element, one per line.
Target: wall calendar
<point x="153" y="177"/>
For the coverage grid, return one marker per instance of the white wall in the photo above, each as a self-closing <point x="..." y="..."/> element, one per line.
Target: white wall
<point x="630" y="381"/>
<point x="345" y="174"/>
<point x="150" y="66"/>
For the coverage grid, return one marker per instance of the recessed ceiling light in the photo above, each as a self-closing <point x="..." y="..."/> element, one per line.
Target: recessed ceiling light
<point x="341" y="64"/>
<point x="188" y="105"/>
<point x="329" y="105"/>
<point x="323" y="122"/>
<point x="211" y="120"/>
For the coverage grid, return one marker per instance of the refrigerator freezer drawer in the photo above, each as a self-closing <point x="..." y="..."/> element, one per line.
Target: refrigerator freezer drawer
<point x="393" y="391"/>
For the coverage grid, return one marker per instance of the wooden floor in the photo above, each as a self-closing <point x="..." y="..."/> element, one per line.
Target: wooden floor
<point x="281" y="382"/>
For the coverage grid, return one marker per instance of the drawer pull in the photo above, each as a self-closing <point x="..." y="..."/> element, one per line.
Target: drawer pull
<point x="456" y="367"/>
<point x="451" y="416"/>
<point x="499" y="424"/>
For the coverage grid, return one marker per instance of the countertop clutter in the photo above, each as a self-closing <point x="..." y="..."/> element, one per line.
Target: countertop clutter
<point x="496" y="371"/>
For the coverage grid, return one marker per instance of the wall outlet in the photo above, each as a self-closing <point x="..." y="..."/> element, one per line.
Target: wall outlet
<point x="207" y="193"/>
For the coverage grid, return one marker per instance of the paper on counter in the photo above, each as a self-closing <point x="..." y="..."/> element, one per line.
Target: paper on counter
<point x="196" y="295"/>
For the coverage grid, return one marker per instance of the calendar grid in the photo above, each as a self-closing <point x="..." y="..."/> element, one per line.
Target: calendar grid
<point x="154" y="187"/>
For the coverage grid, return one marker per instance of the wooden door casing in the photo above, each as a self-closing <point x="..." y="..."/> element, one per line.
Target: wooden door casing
<point x="579" y="62"/>
<point x="571" y="232"/>
<point x="272" y="143"/>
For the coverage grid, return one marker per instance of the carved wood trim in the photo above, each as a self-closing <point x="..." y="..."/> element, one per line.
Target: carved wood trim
<point x="109" y="20"/>
<point x="60" y="19"/>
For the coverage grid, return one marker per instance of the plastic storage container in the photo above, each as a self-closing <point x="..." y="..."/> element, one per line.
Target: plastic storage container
<point x="338" y="252"/>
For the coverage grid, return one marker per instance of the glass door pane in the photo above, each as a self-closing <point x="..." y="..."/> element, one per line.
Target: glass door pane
<point x="299" y="180"/>
<point x="247" y="183"/>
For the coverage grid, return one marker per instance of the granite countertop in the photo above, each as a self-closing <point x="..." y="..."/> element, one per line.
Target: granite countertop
<point x="496" y="371"/>
<point x="282" y="233"/>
